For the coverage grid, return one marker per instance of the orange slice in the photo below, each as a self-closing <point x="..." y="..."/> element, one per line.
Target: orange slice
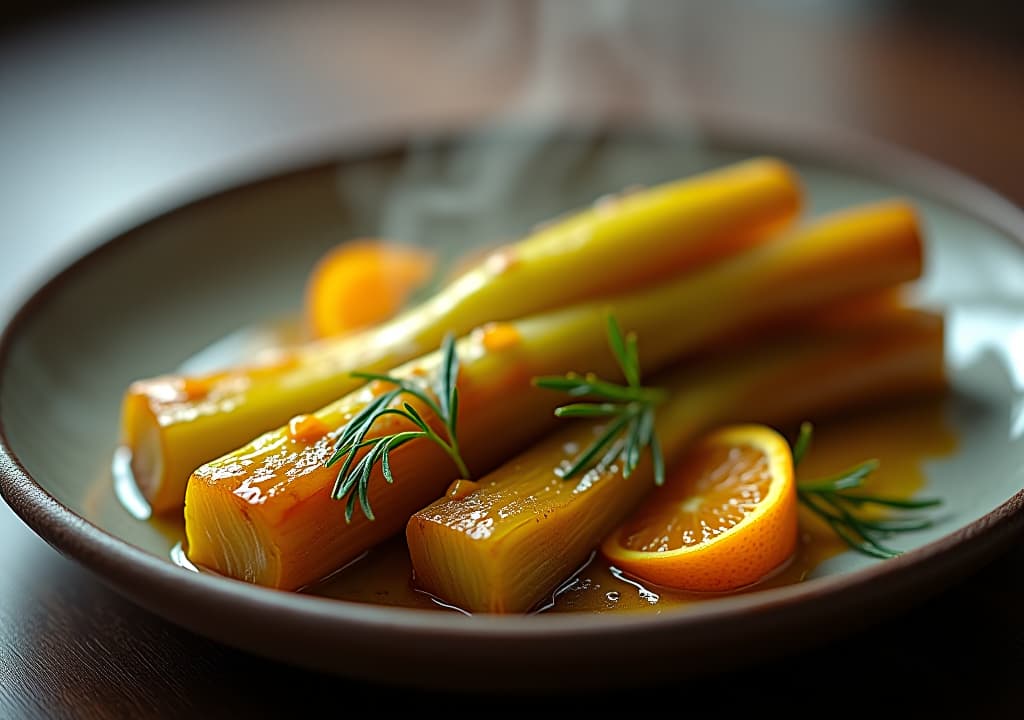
<point x="362" y="283"/>
<point x="725" y="517"/>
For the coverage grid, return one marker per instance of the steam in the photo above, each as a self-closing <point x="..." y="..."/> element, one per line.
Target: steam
<point x="595" y="69"/>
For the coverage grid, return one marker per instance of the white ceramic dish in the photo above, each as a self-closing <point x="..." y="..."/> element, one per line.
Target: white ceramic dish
<point x="148" y="299"/>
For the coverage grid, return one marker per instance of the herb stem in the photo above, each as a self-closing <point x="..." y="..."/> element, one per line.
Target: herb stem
<point x="629" y="407"/>
<point x="352" y="483"/>
<point x="452" y="449"/>
<point x="830" y="499"/>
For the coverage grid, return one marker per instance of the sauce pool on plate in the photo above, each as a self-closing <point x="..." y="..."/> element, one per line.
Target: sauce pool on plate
<point x="903" y="439"/>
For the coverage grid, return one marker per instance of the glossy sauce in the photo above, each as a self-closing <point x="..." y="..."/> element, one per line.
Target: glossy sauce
<point x="902" y="438"/>
<point x="307" y="428"/>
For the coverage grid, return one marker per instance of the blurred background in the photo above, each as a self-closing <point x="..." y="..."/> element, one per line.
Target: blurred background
<point x="113" y="111"/>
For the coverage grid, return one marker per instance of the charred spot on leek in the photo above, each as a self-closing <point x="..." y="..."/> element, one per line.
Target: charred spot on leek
<point x="442" y="398"/>
<point x="629" y="407"/>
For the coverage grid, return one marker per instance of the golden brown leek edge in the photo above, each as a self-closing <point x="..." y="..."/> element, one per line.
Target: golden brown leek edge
<point x="173" y="424"/>
<point x="484" y="549"/>
<point x="264" y="513"/>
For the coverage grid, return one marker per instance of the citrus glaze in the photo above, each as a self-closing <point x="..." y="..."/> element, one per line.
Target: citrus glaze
<point x="902" y="438"/>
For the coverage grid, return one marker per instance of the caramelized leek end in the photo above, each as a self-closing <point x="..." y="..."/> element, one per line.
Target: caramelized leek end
<point x="506" y="544"/>
<point x="264" y="513"/>
<point x="174" y="424"/>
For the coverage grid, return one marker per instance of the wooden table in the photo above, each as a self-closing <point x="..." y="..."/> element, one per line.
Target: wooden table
<point x="114" y="115"/>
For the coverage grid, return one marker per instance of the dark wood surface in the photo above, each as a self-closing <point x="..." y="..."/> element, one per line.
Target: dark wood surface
<point x="112" y="113"/>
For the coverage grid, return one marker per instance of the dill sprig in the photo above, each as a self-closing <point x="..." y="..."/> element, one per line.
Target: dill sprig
<point x="440" y="394"/>
<point x="629" y="407"/>
<point x="830" y="498"/>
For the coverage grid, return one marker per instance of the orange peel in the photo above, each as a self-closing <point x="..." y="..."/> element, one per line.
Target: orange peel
<point x="725" y="518"/>
<point x="362" y="283"/>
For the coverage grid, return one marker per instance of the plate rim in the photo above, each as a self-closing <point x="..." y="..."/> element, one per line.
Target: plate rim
<point x="122" y="565"/>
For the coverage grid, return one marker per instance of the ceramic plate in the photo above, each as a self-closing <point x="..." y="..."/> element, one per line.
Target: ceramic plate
<point x="146" y="301"/>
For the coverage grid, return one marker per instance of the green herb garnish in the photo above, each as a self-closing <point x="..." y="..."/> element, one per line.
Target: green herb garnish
<point x="830" y="499"/>
<point x="439" y="394"/>
<point x="630" y="408"/>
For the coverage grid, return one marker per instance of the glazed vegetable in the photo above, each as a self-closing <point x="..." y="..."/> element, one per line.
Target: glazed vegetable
<point x="264" y="513"/>
<point x="173" y="424"/>
<point x="504" y="543"/>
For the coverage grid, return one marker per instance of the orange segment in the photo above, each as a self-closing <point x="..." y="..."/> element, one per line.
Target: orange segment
<point x="362" y="283"/>
<point x="725" y="518"/>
